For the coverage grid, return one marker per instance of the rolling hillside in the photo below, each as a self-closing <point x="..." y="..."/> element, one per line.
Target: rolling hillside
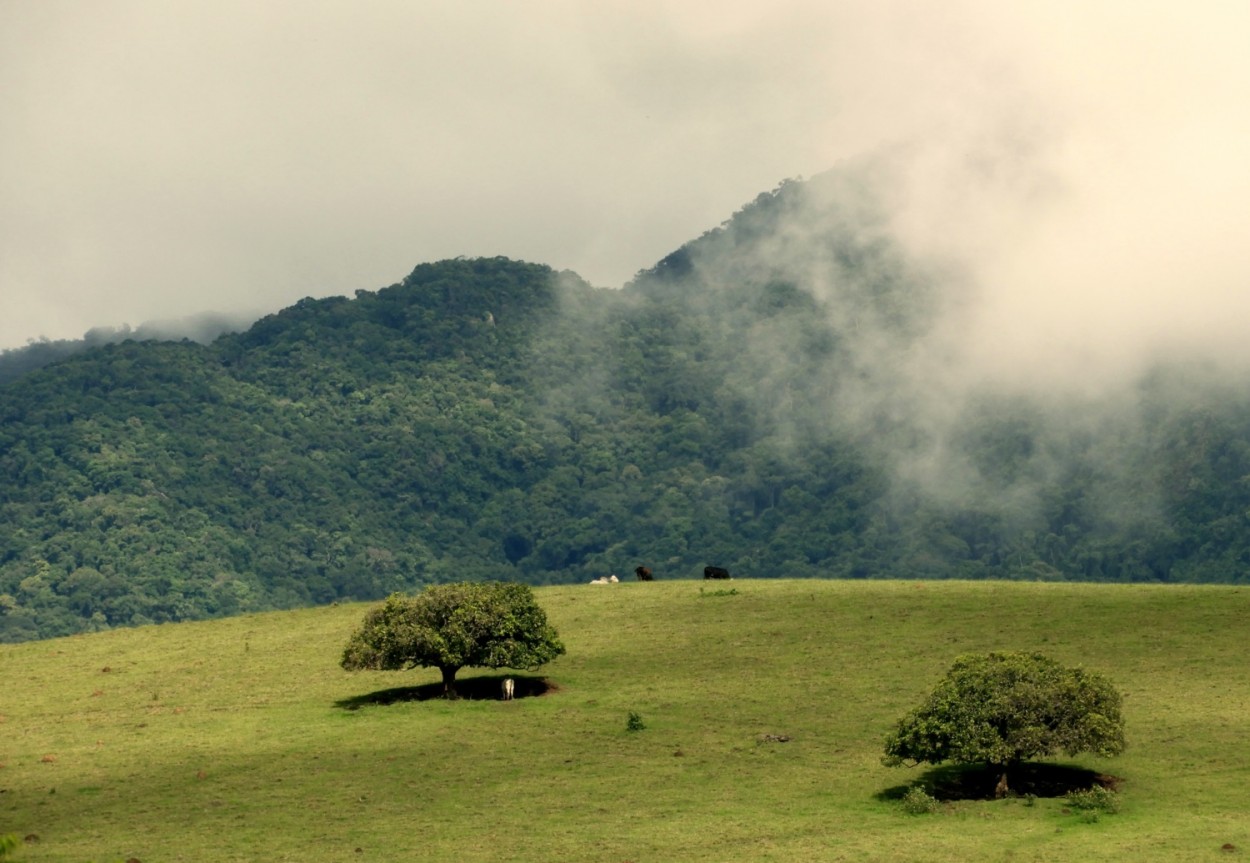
<point x="242" y="739"/>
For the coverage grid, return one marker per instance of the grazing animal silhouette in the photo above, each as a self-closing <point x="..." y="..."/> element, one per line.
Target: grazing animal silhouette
<point x="509" y="686"/>
<point x="715" y="572"/>
<point x="643" y="573"/>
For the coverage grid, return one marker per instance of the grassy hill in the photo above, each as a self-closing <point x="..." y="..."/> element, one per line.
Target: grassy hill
<point x="241" y="739"/>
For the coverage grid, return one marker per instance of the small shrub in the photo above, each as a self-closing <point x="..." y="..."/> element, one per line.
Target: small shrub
<point x="917" y="801"/>
<point x="1094" y="800"/>
<point x="634" y="723"/>
<point x="733" y="591"/>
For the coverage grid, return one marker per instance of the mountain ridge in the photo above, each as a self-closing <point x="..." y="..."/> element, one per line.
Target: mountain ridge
<point x="750" y="402"/>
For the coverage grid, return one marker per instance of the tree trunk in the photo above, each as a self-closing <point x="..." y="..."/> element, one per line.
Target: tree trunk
<point x="449" y="680"/>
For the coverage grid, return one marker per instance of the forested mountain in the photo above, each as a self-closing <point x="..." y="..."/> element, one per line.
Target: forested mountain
<point x="752" y="401"/>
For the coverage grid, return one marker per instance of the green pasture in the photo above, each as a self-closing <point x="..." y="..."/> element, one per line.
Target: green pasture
<point x="243" y="740"/>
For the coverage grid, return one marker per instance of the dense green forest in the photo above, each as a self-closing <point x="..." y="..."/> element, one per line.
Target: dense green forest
<point x="748" y="402"/>
<point x="15" y="362"/>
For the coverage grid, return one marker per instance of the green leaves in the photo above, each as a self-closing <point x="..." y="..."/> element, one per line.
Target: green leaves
<point x="1003" y="708"/>
<point x="451" y="626"/>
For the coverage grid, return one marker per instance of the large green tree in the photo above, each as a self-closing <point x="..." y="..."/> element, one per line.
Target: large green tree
<point x="451" y="626"/>
<point x="1001" y="709"/>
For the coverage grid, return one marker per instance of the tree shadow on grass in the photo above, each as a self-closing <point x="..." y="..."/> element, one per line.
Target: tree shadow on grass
<point x="485" y="688"/>
<point x="978" y="781"/>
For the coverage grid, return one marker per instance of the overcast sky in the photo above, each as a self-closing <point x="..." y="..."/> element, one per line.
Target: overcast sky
<point x="1088" y="162"/>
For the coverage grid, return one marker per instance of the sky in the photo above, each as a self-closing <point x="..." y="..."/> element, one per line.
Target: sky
<point x="1086" y="165"/>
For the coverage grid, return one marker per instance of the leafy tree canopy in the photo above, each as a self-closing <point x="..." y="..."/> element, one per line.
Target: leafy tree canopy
<point x="451" y="626"/>
<point x="1004" y="708"/>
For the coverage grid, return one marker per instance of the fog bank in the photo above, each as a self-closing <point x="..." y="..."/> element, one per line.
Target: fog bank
<point x="1084" y="168"/>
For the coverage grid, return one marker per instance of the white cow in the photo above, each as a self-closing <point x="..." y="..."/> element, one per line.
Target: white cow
<point x="509" y="686"/>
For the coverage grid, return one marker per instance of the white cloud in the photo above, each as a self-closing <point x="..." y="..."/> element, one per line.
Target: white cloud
<point x="1085" y="163"/>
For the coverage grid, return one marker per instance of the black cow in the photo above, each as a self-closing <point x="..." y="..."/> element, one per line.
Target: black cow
<point x="643" y="573"/>
<point x="715" y="572"/>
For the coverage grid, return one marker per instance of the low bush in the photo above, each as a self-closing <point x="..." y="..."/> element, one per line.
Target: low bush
<point x="1094" y="800"/>
<point x="917" y="801"/>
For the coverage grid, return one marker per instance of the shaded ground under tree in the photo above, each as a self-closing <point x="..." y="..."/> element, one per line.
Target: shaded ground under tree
<point x="487" y="687"/>
<point x="978" y="781"/>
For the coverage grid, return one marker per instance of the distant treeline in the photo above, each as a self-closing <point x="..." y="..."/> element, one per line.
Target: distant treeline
<point x="490" y="419"/>
<point x="37" y="353"/>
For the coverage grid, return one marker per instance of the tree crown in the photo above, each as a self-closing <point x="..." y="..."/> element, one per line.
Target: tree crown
<point x="1003" y="708"/>
<point x="449" y="626"/>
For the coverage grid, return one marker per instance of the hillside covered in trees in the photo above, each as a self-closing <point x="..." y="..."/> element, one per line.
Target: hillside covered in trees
<point x="768" y="398"/>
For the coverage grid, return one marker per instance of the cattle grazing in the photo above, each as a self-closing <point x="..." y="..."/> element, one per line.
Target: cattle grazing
<point x="715" y="572"/>
<point x="509" y="686"/>
<point x="643" y="573"/>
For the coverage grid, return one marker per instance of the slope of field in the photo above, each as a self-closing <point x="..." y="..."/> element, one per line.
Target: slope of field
<point x="241" y="739"/>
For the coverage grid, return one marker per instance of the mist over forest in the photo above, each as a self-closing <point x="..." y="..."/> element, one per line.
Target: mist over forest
<point x="816" y="388"/>
<point x="203" y="328"/>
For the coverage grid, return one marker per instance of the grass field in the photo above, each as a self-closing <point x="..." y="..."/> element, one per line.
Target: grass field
<point x="242" y="739"/>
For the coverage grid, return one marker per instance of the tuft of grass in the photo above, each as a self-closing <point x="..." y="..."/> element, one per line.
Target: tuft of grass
<point x="261" y="748"/>
<point x="634" y="722"/>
